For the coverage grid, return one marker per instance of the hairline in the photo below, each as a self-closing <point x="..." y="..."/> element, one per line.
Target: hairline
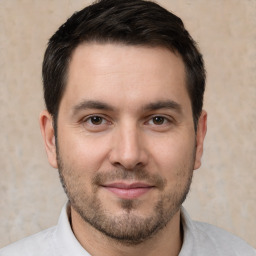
<point x="122" y="43"/>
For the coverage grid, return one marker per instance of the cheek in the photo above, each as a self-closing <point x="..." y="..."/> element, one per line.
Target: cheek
<point x="175" y="154"/>
<point x="82" y="152"/>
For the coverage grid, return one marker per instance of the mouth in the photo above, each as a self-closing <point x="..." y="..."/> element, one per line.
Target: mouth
<point x="128" y="191"/>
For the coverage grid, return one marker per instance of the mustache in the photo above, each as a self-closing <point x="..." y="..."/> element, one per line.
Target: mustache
<point x="136" y="174"/>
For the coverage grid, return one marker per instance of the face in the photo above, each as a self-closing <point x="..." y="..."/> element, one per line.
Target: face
<point x="126" y="146"/>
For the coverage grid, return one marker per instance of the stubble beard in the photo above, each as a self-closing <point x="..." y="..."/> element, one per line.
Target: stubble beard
<point x="127" y="228"/>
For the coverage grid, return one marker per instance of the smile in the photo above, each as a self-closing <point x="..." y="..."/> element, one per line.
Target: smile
<point x="128" y="191"/>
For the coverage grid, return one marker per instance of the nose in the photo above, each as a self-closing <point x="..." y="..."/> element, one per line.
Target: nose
<point x="128" y="148"/>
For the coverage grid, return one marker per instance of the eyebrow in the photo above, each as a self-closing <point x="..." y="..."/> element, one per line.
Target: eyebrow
<point x="91" y="104"/>
<point x="94" y="104"/>
<point x="166" y="104"/>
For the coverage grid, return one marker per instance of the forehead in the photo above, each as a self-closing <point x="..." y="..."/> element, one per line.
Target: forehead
<point x="117" y="57"/>
<point x="114" y="72"/>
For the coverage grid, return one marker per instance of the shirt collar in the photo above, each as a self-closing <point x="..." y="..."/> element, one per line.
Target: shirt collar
<point x="188" y="245"/>
<point x="67" y="244"/>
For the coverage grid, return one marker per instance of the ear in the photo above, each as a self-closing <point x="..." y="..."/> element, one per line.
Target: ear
<point x="200" y="135"/>
<point x="47" y="130"/>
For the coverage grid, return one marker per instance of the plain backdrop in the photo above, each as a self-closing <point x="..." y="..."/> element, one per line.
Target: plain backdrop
<point x="223" y="191"/>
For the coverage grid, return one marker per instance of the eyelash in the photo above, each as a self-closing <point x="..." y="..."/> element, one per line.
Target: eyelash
<point x="162" y="118"/>
<point x="89" y="119"/>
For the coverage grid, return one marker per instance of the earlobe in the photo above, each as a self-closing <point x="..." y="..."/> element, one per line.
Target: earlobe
<point x="47" y="130"/>
<point x="200" y="135"/>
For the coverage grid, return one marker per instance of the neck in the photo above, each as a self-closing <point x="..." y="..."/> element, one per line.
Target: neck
<point x="167" y="241"/>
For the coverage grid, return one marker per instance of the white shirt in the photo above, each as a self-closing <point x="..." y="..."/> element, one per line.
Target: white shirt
<point x="200" y="239"/>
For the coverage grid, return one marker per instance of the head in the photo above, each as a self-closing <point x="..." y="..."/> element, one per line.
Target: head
<point x="131" y="22"/>
<point x="123" y="84"/>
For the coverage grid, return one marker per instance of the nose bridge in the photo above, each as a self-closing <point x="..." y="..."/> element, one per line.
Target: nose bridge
<point x="128" y="149"/>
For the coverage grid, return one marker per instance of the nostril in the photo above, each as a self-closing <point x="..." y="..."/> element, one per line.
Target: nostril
<point x="128" y="163"/>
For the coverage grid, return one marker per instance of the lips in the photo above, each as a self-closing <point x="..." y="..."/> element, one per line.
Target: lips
<point x="128" y="191"/>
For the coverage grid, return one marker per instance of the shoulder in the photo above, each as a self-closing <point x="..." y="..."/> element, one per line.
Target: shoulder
<point x="224" y="242"/>
<point x="204" y="239"/>
<point x="38" y="244"/>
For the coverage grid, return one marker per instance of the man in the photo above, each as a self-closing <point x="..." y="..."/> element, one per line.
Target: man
<point x="124" y="125"/>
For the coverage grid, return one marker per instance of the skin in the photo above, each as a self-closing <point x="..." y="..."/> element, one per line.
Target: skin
<point x="126" y="146"/>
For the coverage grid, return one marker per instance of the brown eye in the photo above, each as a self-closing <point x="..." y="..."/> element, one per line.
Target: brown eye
<point x="96" y="123"/>
<point x="158" y="120"/>
<point x="96" y="120"/>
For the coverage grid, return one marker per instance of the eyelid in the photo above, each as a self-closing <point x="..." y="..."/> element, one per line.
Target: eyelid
<point x="94" y="115"/>
<point x="89" y="125"/>
<point x="169" y="119"/>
